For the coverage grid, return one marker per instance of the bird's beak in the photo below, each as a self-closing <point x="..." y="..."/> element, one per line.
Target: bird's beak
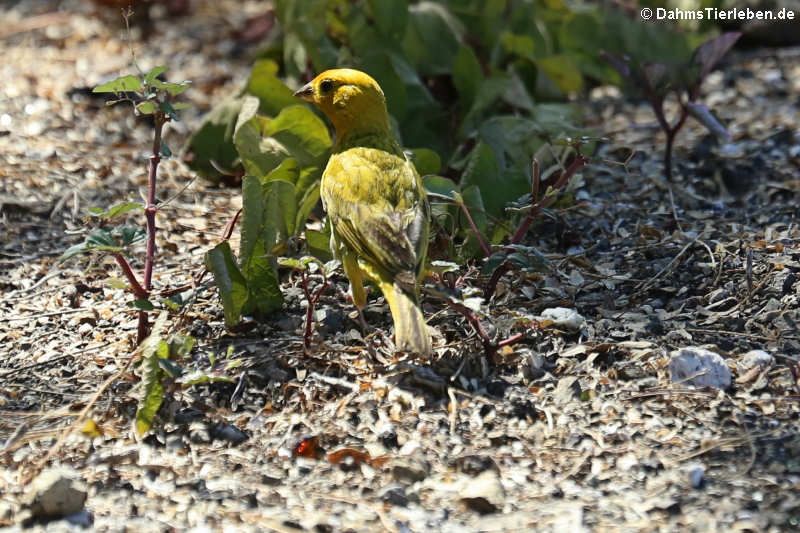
<point x="306" y="92"/>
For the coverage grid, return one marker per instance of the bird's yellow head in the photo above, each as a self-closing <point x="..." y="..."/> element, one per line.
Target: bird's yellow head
<point x="351" y="99"/>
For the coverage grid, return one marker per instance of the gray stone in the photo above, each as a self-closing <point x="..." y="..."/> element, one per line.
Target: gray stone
<point x="564" y="318"/>
<point x="54" y="494"/>
<point x="699" y="367"/>
<point x="484" y="493"/>
<point x="756" y="358"/>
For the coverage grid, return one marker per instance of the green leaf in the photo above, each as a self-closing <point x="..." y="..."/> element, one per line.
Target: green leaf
<point x="561" y="68"/>
<point x="229" y="280"/>
<point x="116" y="211"/>
<point x="467" y="76"/>
<point x="440" y="185"/>
<point x="432" y="38"/>
<point x="272" y="93"/>
<point x="492" y="262"/>
<point x="120" y="85"/>
<point x="258" y="234"/>
<point x="259" y="154"/>
<point x="168" y="108"/>
<point x="426" y="161"/>
<point x="263" y="290"/>
<point x="307" y="204"/>
<point x="252" y="221"/>
<point x="174" y="89"/>
<point x="72" y="251"/>
<point x="165" y="152"/>
<point x="212" y="143"/>
<point x="180" y="345"/>
<point x="170" y="304"/>
<point x="130" y="234"/>
<point x="199" y="377"/>
<point x="152" y="391"/>
<point x="390" y="16"/>
<point x="303" y="134"/>
<point x="153" y="74"/>
<point x="148" y="107"/>
<point x="318" y="242"/>
<point x="142" y="304"/>
<point x="442" y="267"/>
<point x="280" y="208"/>
<point x="519" y="45"/>
<point x="170" y="368"/>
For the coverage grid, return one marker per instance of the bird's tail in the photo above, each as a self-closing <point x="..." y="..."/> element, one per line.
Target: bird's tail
<point x="410" y="332"/>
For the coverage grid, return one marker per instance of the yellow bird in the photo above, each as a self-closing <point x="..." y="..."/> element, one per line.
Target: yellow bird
<point x="375" y="201"/>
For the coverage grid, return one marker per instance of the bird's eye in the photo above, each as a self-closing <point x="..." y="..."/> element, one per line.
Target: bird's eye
<point x="326" y="86"/>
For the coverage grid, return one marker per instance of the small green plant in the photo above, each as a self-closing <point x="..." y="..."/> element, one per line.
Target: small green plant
<point x="658" y="80"/>
<point x="151" y="96"/>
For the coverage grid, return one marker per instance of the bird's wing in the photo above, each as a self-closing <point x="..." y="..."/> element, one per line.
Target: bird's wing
<point x="377" y="207"/>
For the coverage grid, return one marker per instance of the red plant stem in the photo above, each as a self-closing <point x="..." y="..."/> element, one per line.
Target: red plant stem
<point x="511" y="340"/>
<point x="533" y="214"/>
<point x="488" y="345"/>
<point x="160" y="118"/>
<point x="138" y="290"/>
<point x="475" y="229"/>
<point x="312" y="302"/>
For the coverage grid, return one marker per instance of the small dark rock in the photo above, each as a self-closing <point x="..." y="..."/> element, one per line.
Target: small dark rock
<point x="394" y="494"/>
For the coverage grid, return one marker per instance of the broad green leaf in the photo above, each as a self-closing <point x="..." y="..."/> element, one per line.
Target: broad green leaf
<point x="168" y="108"/>
<point x="440" y="185"/>
<point x="467" y="76"/>
<point x="491" y="263"/>
<point x="148" y="107"/>
<point x="72" y="251"/>
<point x="120" y="85"/>
<point x="390" y="16"/>
<point x="426" y="161"/>
<point x="380" y="66"/>
<point x="252" y="222"/>
<point x="489" y="93"/>
<point x="180" y="345"/>
<point x="153" y="74"/>
<point x="152" y="391"/>
<point x="142" y="304"/>
<point x="116" y="211"/>
<point x="288" y="171"/>
<point x="174" y="89"/>
<point x="101" y="237"/>
<point x="280" y="208"/>
<point x="170" y="368"/>
<point x="272" y="93"/>
<point x="432" y="37"/>
<point x="259" y="154"/>
<point x="229" y="280"/>
<point x="520" y="45"/>
<point x="563" y="71"/>
<point x="307" y="205"/>
<point x="263" y="290"/>
<point x="303" y="134"/>
<point x="318" y="242"/>
<point x="212" y="144"/>
<point x="291" y="263"/>
<point x="130" y="234"/>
